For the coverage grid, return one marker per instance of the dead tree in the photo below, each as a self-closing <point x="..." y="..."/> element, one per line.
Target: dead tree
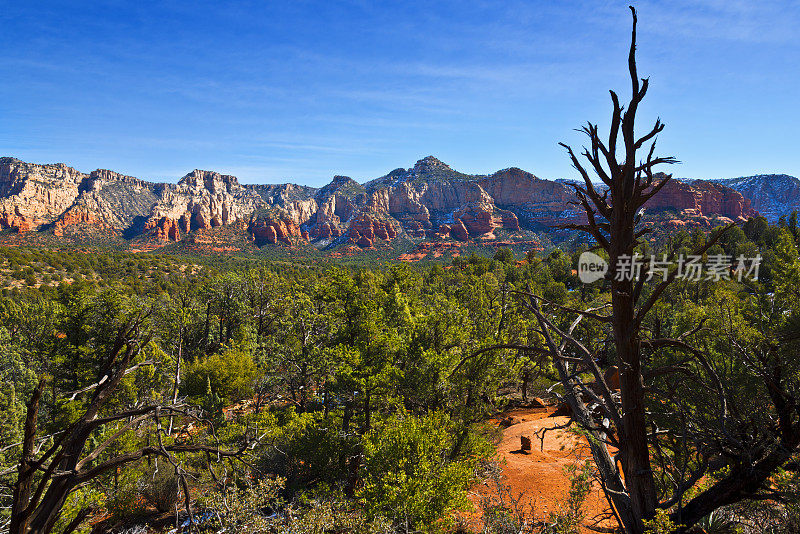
<point x="612" y="214"/>
<point x="45" y="479"/>
<point x="611" y="221"/>
<point x="710" y="427"/>
<point x="655" y="467"/>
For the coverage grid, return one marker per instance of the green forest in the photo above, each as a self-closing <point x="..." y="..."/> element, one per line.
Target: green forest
<point x="261" y="397"/>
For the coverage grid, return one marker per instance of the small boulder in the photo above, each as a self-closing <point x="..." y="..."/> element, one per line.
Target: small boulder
<point x="525" y="443"/>
<point x="538" y="403"/>
<point x="507" y="422"/>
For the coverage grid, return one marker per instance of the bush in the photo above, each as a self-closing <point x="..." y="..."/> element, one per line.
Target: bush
<point x="231" y="376"/>
<point x="160" y="488"/>
<point x="259" y="509"/>
<point x="568" y="519"/>
<point x="126" y="505"/>
<point x="409" y="477"/>
<point x="504" y="254"/>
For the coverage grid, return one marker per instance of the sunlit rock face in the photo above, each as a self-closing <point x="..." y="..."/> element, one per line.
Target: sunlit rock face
<point x="702" y="198"/>
<point x="428" y="201"/>
<point x="771" y="195"/>
<point x="32" y="195"/>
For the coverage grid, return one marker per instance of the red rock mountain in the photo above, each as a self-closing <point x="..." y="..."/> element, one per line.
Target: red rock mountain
<point x="427" y="201"/>
<point x="773" y="195"/>
<point x="701" y="198"/>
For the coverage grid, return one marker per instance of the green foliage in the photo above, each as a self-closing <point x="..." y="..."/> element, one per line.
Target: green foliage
<point x="660" y="524"/>
<point x="230" y="375"/>
<point x="409" y="475"/>
<point x="368" y="382"/>
<point x="16" y="382"/>
<point x="252" y="509"/>
<point x="717" y="523"/>
<point x="307" y="448"/>
<point x="160" y="487"/>
<point x="77" y="501"/>
<point x="504" y="254"/>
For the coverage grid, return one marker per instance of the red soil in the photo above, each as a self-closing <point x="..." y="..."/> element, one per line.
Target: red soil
<point x="539" y="476"/>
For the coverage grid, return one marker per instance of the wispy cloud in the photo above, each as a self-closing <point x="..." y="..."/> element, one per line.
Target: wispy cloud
<point x="743" y="21"/>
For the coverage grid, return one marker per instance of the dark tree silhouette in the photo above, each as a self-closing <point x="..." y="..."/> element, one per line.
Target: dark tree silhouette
<point x="723" y="408"/>
<point x="613" y="213"/>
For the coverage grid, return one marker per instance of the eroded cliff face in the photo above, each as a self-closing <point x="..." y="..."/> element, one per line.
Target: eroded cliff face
<point x="201" y="200"/>
<point x="273" y="229"/>
<point x="538" y="204"/>
<point x="367" y="228"/>
<point x="35" y="196"/>
<point x="432" y="200"/>
<point x="772" y="195"/>
<point x="429" y="201"/>
<point x="701" y="198"/>
<point x="32" y="195"/>
<point x="78" y="221"/>
<point x="336" y="204"/>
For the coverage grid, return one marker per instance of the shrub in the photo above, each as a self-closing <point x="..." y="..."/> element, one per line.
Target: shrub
<point x="568" y="519"/>
<point x="409" y="477"/>
<point x="504" y="254"/>
<point x="160" y="488"/>
<point x="231" y="376"/>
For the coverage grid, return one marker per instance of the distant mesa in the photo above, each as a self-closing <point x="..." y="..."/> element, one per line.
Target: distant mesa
<point x="430" y="202"/>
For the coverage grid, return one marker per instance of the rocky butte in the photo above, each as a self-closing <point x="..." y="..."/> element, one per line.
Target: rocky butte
<point x="429" y="201"/>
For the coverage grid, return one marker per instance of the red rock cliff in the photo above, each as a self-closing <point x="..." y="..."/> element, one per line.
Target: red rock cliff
<point x="269" y="230"/>
<point x="702" y="198"/>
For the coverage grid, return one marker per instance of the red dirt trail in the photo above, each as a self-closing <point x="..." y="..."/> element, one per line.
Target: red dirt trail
<point x="540" y="476"/>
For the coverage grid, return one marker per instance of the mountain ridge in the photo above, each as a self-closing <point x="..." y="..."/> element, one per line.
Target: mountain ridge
<point x="773" y="195"/>
<point x="428" y="201"/>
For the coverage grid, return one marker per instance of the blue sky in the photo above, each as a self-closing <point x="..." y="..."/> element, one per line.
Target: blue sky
<point x="300" y="91"/>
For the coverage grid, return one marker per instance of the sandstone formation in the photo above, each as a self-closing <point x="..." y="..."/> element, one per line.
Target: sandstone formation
<point x="165" y="228"/>
<point x="16" y="221"/>
<point x="772" y="195"/>
<point x="701" y="198"/>
<point x="86" y="221"/>
<point x="365" y="229"/>
<point x="202" y="200"/>
<point x="429" y="201"/>
<point x="33" y="195"/>
<point x="537" y="203"/>
<point x="335" y="203"/>
<point x="270" y="229"/>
